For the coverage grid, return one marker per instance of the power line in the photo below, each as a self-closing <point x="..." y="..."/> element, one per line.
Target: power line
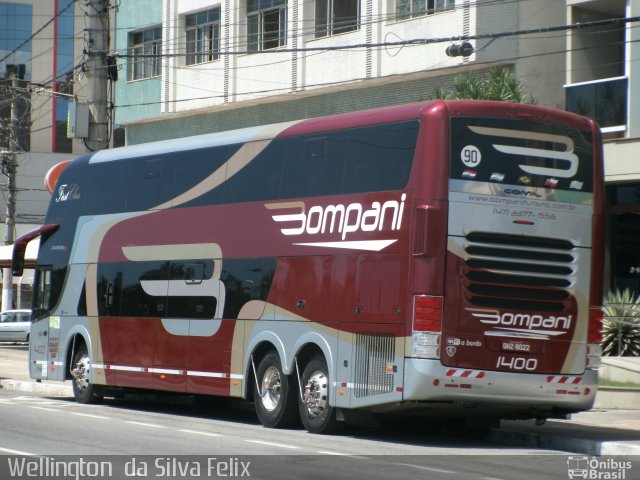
<point x="287" y="88"/>
<point x="417" y="41"/>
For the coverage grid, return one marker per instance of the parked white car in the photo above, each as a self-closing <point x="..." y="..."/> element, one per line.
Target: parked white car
<point x="15" y="325"/>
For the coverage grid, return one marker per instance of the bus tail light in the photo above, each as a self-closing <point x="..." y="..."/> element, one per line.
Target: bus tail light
<point x="427" y="326"/>
<point x="594" y="339"/>
<point x="595" y="326"/>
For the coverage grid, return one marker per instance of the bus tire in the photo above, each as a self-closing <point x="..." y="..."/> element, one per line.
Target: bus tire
<point x="275" y="394"/>
<point x="316" y="414"/>
<point x="83" y="390"/>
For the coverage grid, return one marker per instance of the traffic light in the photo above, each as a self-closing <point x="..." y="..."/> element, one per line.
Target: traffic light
<point x="460" y="50"/>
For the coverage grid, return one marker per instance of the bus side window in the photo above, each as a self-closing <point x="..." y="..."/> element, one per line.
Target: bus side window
<point x="380" y="157"/>
<point x="106" y="190"/>
<point x="42" y="291"/>
<point x="109" y="288"/>
<point x="190" y="168"/>
<point x="197" y="297"/>
<point x="259" y="179"/>
<point x="194" y="274"/>
<point x="313" y="165"/>
<point x="151" y="184"/>
<point x="82" y="301"/>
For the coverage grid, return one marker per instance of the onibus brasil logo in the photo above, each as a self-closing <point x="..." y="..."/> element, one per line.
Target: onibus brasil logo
<point x="597" y="468"/>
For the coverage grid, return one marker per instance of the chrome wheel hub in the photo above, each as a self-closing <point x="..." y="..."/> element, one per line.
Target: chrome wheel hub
<point x="316" y="393"/>
<point x="271" y="389"/>
<point x="81" y="372"/>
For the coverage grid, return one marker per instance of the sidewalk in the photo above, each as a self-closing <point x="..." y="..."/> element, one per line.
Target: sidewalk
<point x="596" y="432"/>
<point x="605" y="430"/>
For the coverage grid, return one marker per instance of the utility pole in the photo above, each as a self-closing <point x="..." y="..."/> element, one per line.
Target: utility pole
<point x="97" y="32"/>
<point x="9" y="168"/>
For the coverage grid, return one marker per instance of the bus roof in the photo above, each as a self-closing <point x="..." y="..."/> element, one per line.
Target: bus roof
<point x="340" y="121"/>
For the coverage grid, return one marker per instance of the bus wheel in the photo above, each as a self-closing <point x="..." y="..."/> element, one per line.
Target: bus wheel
<point x="315" y="412"/>
<point x="275" y="395"/>
<point x="83" y="390"/>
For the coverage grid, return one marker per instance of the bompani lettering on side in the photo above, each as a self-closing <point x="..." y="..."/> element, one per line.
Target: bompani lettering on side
<point x="342" y="220"/>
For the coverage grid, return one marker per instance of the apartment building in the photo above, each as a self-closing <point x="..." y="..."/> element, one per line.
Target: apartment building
<point x="40" y="41"/>
<point x="603" y="82"/>
<point x="198" y="66"/>
<point x="41" y="49"/>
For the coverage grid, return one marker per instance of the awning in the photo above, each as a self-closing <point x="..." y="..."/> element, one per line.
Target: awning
<point x="31" y="254"/>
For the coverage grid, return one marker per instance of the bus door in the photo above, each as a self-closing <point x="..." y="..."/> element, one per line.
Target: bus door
<point x="39" y="349"/>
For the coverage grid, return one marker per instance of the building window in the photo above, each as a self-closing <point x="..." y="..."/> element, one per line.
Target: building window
<point x="624" y="225"/>
<point x="145" y="53"/>
<point x="415" y="8"/>
<point x="603" y="100"/>
<point x="203" y="36"/>
<point x="336" y="16"/>
<point x="266" y="24"/>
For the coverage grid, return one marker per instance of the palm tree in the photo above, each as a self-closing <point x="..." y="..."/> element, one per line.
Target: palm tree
<point x="621" y="324"/>
<point x="501" y="84"/>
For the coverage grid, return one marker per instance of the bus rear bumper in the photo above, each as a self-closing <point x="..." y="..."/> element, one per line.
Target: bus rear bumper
<point x="430" y="381"/>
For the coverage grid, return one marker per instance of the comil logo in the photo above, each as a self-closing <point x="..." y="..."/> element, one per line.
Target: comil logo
<point x="597" y="468"/>
<point x="341" y="221"/>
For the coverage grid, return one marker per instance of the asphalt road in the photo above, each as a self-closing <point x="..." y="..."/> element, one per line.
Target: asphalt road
<point x="155" y="432"/>
<point x="177" y="437"/>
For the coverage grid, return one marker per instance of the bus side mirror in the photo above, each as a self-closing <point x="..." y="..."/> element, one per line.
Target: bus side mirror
<point x="17" y="259"/>
<point x="20" y="246"/>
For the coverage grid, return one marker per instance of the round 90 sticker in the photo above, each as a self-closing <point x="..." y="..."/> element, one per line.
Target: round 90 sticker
<point x="470" y="156"/>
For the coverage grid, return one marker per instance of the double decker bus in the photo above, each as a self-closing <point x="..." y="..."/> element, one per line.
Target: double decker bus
<point x="440" y="258"/>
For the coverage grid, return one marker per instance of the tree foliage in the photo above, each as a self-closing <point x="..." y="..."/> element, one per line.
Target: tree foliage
<point x="500" y="84"/>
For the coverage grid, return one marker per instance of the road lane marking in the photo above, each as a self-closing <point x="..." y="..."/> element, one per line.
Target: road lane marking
<point x="429" y="469"/>
<point x="18" y="452"/>
<point x="207" y="434"/>
<point x="144" y="424"/>
<point x="273" y="444"/>
<point x="357" y="457"/>
<point x="43" y="408"/>
<point x="89" y="415"/>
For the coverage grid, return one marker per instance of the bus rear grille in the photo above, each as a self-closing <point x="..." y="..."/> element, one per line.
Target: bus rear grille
<point x="374" y="351"/>
<point x="518" y="272"/>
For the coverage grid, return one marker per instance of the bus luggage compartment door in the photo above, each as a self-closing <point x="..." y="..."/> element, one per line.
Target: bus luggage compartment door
<point x="39" y="348"/>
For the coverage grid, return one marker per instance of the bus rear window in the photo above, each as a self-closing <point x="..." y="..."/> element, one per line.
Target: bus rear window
<point x="521" y="153"/>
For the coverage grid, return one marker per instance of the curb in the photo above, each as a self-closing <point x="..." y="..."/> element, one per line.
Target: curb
<point x="618" y="398"/>
<point x="568" y="444"/>
<point x="57" y="389"/>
